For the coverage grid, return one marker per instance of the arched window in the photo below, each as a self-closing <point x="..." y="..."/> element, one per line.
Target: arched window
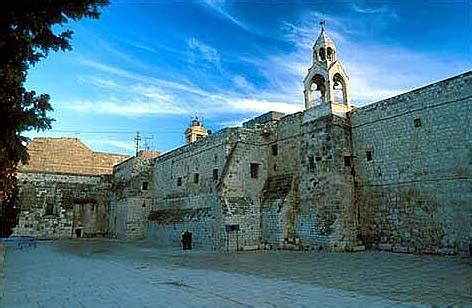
<point x="322" y="54"/>
<point x="339" y="89"/>
<point x="330" y="53"/>
<point x="317" y="89"/>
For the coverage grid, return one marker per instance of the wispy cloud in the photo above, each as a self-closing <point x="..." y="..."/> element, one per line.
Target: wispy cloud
<point x="128" y="146"/>
<point x="134" y="108"/>
<point x="377" y="70"/>
<point x="242" y="83"/>
<point x="98" y="82"/>
<point x="384" y="10"/>
<point x="219" y="8"/>
<point x="204" y="51"/>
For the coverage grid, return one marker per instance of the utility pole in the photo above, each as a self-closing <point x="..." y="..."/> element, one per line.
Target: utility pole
<point x="138" y="141"/>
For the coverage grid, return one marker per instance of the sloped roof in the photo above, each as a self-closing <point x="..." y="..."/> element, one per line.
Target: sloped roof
<point x="68" y="155"/>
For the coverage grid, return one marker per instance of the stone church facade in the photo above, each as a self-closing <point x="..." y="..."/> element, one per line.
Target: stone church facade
<point x="393" y="175"/>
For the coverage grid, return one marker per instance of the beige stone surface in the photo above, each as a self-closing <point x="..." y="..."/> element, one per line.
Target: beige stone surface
<point x="68" y="155"/>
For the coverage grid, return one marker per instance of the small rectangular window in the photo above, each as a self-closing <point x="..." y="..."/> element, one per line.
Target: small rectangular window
<point x="196" y="177"/>
<point x="275" y="150"/>
<point x="311" y="164"/>
<point x="145" y="186"/>
<point x="215" y="174"/>
<point x="318" y="158"/>
<point x="254" y="171"/>
<point x="179" y="181"/>
<point x="417" y="122"/>
<point x="368" y="155"/>
<point x="347" y="161"/>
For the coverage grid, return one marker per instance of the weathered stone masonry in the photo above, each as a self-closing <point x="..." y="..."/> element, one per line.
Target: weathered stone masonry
<point x="394" y="175"/>
<point x="64" y="191"/>
<point x="132" y="195"/>
<point x="415" y="188"/>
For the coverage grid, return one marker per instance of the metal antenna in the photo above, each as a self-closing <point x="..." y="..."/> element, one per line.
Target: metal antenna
<point x="138" y="141"/>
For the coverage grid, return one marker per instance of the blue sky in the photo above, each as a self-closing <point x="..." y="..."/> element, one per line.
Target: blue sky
<point x="152" y="65"/>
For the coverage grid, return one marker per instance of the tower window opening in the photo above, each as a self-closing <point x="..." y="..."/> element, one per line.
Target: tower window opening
<point x="347" y="161"/>
<point x="417" y="122"/>
<point x="317" y="90"/>
<point x="275" y="150"/>
<point x="215" y="174"/>
<point x="196" y="177"/>
<point x="254" y="171"/>
<point x="311" y="164"/>
<point x="322" y="54"/>
<point x="179" y="181"/>
<point x="145" y="185"/>
<point x="339" y="89"/>
<point x="330" y="54"/>
<point x="368" y="155"/>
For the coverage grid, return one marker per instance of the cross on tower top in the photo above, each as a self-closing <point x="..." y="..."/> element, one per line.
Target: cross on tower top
<point x="322" y="24"/>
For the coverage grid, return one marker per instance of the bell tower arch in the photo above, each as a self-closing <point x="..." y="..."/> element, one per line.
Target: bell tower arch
<point x="326" y="83"/>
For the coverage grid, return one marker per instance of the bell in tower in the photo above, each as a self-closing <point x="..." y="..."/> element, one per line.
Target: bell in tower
<point x="326" y="82"/>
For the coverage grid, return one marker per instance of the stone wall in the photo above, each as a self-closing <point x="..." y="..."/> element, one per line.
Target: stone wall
<point x="241" y="188"/>
<point x="132" y="197"/>
<point x="413" y="156"/>
<point x="280" y="193"/>
<point x="55" y="206"/>
<point x="326" y="217"/>
<point x="186" y="182"/>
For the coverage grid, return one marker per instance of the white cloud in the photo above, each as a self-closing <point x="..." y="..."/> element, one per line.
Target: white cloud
<point x="133" y="108"/>
<point x="218" y="7"/>
<point x="120" y="145"/>
<point x="261" y="105"/>
<point x="376" y="70"/>
<point x="152" y="92"/>
<point x="242" y="83"/>
<point x="98" y="82"/>
<point x="384" y="10"/>
<point x="208" y="53"/>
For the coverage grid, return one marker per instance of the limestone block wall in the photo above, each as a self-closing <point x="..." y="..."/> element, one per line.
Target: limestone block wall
<point x="413" y="157"/>
<point x="186" y="192"/>
<point x="280" y="192"/>
<point x="326" y="216"/>
<point x="54" y="206"/>
<point x="132" y="197"/>
<point x="241" y="188"/>
<point x="196" y="214"/>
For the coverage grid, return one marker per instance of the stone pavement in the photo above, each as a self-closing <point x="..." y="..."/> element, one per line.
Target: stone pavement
<point x="107" y="273"/>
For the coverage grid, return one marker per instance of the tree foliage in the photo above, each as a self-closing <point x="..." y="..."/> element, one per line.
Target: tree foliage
<point x="26" y="36"/>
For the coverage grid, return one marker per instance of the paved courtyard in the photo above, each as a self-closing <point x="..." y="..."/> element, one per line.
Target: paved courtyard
<point x="109" y="273"/>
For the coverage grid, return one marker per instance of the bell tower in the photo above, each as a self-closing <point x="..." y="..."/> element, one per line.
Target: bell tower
<point x="196" y="131"/>
<point x="326" y="83"/>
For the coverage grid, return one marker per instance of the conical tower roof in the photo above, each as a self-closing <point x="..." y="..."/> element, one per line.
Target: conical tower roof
<point x="323" y="39"/>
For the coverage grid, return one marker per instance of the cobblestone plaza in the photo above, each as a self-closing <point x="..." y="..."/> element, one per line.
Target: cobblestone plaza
<point x="109" y="273"/>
